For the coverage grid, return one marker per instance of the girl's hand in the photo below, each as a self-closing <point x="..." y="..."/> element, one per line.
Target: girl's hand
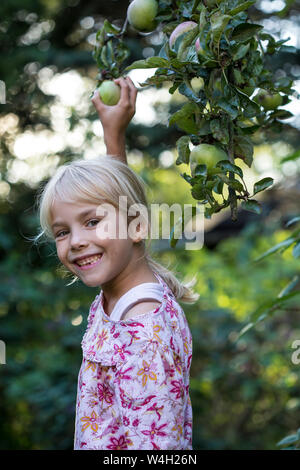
<point x="115" y="119"/>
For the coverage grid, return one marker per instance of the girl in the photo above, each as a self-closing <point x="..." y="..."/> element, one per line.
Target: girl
<point x="133" y="384"/>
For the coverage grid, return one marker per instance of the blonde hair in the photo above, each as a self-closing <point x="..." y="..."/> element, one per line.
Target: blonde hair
<point x="95" y="181"/>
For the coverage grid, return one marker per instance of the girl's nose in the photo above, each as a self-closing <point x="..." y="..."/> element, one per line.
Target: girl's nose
<point x="77" y="241"/>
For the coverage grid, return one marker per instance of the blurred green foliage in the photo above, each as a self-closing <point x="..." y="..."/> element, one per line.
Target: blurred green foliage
<point x="245" y="393"/>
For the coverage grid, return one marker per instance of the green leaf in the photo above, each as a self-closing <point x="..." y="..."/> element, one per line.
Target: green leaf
<point x="204" y="127"/>
<point x="291" y="157"/>
<point x="110" y="28"/>
<point x="265" y="310"/>
<point x="238" y="77"/>
<point x="200" y="170"/>
<point x="174" y="88"/>
<point x="293" y="221"/>
<point x="296" y="250"/>
<point x="188" y="38"/>
<point x="281" y="114"/>
<point x="185" y="90"/>
<point x="288" y="440"/>
<point x="290" y="286"/>
<point x="231" y="182"/>
<point x="198" y="191"/>
<point x="183" y="149"/>
<point x="218" y="187"/>
<point x="243" y="148"/>
<point x="230" y="109"/>
<point x="184" y="118"/>
<point x="282" y="246"/>
<point x="219" y="131"/>
<point x="226" y="165"/>
<point x="186" y="111"/>
<point x="157" y="62"/>
<point x="186" y="177"/>
<point x="241" y="52"/>
<point x="252" y="206"/>
<point x="100" y="37"/>
<point x="103" y="57"/>
<point x="242" y="7"/>
<point x="262" y="184"/>
<point x="251" y="108"/>
<point x="151" y="62"/>
<point x="218" y="24"/>
<point x="202" y="18"/>
<point x="245" y="31"/>
<point x="163" y="52"/>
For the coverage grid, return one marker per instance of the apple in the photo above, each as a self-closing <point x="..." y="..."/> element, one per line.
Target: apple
<point x="179" y="30"/>
<point x="141" y="15"/>
<point x="206" y="154"/>
<point x="109" y="92"/>
<point x="197" y="83"/>
<point x="268" y="100"/>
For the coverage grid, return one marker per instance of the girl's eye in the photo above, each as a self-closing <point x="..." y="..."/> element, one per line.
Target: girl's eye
<point x="94" y="220"/>
<point x="64" y="231"/>
<point x="60" y="233"/>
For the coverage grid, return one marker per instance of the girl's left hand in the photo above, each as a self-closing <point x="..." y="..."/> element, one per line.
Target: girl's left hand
<point x="115" y="119"/>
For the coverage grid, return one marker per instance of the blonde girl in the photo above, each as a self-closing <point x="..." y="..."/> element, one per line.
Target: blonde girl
<point x="133" y="384"/>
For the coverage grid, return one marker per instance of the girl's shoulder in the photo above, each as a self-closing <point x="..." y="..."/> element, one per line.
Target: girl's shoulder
<point x="106" y="341"/>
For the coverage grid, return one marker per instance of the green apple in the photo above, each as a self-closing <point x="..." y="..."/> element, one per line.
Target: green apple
<point x="268" y="100"/>
<point x="141" y="15"/>
<point x="179" y="30"/>
<point x="206" y="154"/>
<point x="197" y="83"/>
<point x="109" y="92"/>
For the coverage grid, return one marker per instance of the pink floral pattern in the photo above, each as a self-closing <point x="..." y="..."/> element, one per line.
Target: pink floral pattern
<point x="133" y="384"/>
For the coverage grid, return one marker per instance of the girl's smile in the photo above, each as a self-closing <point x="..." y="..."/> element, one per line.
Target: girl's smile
<point x="89" y="262"/>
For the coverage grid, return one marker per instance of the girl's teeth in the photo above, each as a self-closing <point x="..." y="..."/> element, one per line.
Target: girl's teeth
<point x="89" y="260"/>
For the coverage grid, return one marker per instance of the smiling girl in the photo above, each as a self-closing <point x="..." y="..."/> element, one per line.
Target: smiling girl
<point x="133" y="384"/>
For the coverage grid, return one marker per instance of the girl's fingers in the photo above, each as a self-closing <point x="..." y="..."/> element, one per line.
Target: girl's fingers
<point x="133" y="89"/>
<point x="124" y="90"/>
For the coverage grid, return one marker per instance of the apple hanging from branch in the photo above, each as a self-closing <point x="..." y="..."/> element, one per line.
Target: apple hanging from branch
<point x="141" y="15"/>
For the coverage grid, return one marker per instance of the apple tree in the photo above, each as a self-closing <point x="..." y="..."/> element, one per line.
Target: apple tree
<point x="216" y="42"/>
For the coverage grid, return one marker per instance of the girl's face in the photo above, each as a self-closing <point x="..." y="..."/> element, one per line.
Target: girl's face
<point x="82" y="237"/>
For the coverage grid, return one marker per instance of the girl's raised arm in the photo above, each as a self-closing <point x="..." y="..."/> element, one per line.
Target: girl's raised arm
<point x="115" y="119"/>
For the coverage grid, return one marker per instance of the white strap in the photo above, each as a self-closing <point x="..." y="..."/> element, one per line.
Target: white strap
<point x="145" y="291"/>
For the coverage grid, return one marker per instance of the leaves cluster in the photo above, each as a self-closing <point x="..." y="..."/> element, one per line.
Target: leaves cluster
<point x="231" y="62"/>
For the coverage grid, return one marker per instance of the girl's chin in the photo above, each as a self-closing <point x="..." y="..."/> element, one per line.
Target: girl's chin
<point x="90" y="282"/>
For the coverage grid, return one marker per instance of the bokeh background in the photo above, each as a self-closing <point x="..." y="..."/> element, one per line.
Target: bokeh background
<point x="246" y="393"/>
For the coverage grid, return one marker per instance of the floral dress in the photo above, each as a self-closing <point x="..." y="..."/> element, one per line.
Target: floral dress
<point x="133" y="384"/>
